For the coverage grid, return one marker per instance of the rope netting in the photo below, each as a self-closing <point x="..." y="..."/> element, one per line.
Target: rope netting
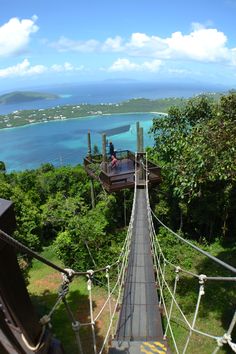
<point x="170" y="279"/>
<point x="112" y="300"/>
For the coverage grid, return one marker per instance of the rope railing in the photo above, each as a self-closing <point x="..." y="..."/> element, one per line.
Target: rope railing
<point x="208" y="255"/>
<point x="161" y="263"/>
<point x="68" y="276"/>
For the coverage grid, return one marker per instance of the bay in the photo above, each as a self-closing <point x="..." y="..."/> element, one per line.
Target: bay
<point x="65" y="142"/>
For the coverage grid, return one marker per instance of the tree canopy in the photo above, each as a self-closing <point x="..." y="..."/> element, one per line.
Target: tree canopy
<point x="196" y="146"/>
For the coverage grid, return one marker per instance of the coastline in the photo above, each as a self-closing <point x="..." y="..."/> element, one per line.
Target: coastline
<point x="21" y="118"/>
<point x="80" y="117"/>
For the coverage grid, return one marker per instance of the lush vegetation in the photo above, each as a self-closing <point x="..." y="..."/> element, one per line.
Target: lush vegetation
<point x="20" y="118"/>
<point x="196" y="148"/>
<point x="53" y="205"/>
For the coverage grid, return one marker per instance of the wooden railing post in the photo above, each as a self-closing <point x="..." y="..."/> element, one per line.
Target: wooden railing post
<point x="138" y="136"/>
<point x="141" y="148"/>
<point x="104" y="158"/>
<point x="89" y="145"/>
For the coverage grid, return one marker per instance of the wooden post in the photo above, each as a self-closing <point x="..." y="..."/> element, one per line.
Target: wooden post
<point x="91" y="180"/>
<point x="138" y="138"/>
<point x="104" y="158"/>
<point x="104" y="147"/>
<point x="89" y="144"/>
<point x="141" y="175"/>
<point x="141" y="139"/>
<point x="125" y="209"/>
<point x="92" y="193"/>
<point x="12" y="282"/>
<point x="13" y="293"/>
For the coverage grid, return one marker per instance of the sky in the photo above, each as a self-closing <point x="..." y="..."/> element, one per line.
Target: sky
<point x="47" y="42"/>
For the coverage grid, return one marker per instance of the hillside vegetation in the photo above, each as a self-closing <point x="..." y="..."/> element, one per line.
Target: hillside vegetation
<point x="196" y="148"/>
<point x="32" y="116"/>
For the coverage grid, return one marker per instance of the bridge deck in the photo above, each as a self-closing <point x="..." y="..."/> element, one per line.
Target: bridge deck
<point x="140" y="319"/>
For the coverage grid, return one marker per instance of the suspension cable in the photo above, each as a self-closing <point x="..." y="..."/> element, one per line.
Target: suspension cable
<point x="216" y="260"/>
<point x="18" y="245"/>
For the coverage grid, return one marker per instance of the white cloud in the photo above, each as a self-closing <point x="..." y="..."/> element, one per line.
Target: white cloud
<point x="126" y="65"/>
<point x="65" y="44"/>
<point x="65" y="67"/>
<point x="26" y="69"/>
<point x="179" y="71"/>
<point x="141" y="44"/>
<point x="22" y="69"/>
<point x="153" y="65"/>
<point x="113" y="44"/>
<point x="233" y="57"/>
<point x="201" y="44"/>
<point x="15" y="35"/>
<point x="123" y="65"/>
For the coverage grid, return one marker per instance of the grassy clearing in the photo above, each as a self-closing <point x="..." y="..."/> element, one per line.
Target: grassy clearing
<point x="43" y="287"/>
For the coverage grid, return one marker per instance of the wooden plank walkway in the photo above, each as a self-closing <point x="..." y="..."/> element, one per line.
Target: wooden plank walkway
<point x="140" y="320"/>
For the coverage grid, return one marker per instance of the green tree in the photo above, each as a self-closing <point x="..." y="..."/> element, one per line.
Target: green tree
<point x="2" y="167"/>
<point x="196" y="147"/>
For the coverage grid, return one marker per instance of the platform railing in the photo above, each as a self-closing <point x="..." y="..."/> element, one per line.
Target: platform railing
<point x="119" y="178"/>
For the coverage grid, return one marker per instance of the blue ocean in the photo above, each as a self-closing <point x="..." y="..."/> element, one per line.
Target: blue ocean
<point x="65" y="142"/>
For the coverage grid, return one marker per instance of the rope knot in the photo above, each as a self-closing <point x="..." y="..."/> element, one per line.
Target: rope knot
<point x="76" y="326"/>
<point x="202" y="278"/>
<point x="107" y="270"/>
<point x="45" y="320"/>
<point x="177" y="269"/>
<point x="90" y="273"/>
<point x="226" y="338"/>
<point x="67" y="278"/>
<point x="220" y="342"/>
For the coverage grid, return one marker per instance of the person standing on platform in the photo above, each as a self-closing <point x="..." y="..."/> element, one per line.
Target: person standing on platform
<point x="111" y="150"/>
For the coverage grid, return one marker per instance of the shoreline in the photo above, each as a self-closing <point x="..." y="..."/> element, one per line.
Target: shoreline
<point x="81" y="117"/>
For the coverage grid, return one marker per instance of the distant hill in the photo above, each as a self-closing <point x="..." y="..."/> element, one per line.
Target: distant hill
<point x="24" y="96"/>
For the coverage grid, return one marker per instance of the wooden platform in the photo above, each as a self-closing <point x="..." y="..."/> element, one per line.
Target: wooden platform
<point x="121" y="176"/>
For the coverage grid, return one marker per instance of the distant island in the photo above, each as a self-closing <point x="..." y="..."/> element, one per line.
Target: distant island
<point x="25" y="96"/>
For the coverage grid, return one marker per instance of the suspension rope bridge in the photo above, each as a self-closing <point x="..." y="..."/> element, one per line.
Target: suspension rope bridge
<point x="142" y="290"/>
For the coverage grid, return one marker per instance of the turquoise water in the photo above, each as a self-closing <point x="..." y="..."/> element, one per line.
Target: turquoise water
<point x="65" y="142"/>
